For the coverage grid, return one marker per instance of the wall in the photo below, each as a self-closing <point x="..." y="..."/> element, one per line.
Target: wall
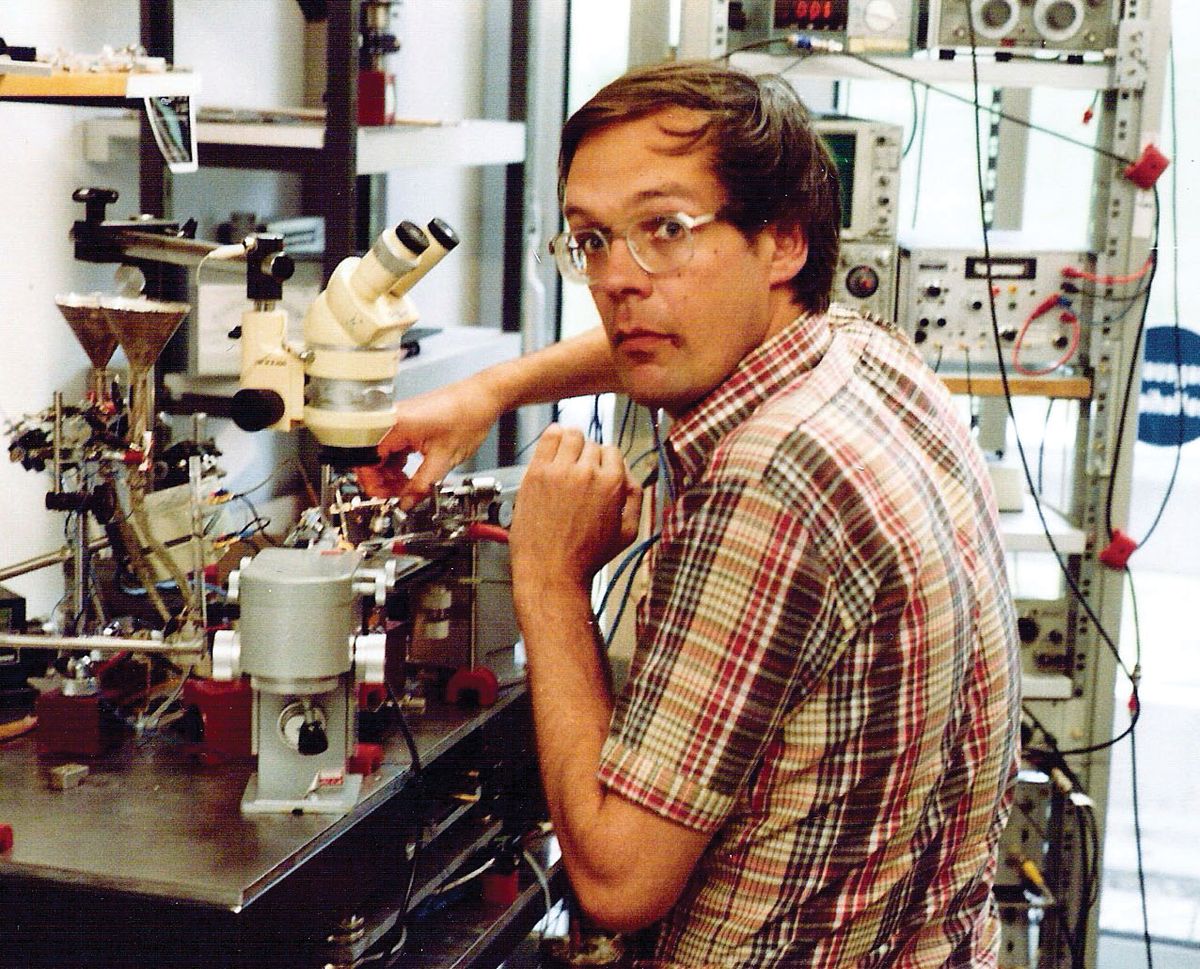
<point x="250" y="53"/>
<point x="41" y="165"/>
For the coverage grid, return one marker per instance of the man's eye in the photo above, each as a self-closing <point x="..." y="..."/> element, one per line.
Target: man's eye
<point x="590" y="242"/>
<point x="666" y="228"/>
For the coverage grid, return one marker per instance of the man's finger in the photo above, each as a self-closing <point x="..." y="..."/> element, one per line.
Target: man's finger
<point x="432" y="469"/>
<point x="547" y="445"/>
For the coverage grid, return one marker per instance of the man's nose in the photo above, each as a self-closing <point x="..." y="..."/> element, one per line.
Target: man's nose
<point x="621" y="270"/>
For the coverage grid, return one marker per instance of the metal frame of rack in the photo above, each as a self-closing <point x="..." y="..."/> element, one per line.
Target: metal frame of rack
<point x="1131" y="85"/>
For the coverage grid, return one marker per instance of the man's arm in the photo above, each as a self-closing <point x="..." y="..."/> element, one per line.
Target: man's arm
<point x="447" y="426"/>
<point x="576" y="509"/>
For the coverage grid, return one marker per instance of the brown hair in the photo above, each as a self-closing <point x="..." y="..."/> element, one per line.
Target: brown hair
<point x="773" y="167"/>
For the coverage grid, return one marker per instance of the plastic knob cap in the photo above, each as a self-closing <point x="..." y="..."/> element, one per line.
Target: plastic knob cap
<point x="312" y="739"/>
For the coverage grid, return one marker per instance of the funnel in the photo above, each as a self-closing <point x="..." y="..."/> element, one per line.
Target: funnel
<point x="86" y="319"/>
<point x="142" y="327"/>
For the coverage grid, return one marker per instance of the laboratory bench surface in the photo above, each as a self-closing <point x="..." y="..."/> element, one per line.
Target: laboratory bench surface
<point x="151" y="859"/>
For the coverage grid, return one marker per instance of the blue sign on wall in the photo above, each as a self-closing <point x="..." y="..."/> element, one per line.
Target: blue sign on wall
<point x="1170" y="360"/>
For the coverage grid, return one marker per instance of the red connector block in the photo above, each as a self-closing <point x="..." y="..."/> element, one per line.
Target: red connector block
<point x="1116" y="556"/>
<point x="1146" y="170"/>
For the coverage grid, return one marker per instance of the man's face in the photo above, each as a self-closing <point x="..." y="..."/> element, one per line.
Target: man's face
<point x="676" y="335"/>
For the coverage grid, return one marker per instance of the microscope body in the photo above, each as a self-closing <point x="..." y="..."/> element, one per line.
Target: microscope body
<point x="340" y="381"/>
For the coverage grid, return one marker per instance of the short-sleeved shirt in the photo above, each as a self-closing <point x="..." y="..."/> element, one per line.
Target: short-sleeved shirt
<point x="826" y="678"/>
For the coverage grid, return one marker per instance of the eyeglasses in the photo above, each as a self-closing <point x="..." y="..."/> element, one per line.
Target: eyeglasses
<point x="659" y="244"/>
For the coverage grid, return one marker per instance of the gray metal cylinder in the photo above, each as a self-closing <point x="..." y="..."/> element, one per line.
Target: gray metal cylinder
<point x="298" y="615"/>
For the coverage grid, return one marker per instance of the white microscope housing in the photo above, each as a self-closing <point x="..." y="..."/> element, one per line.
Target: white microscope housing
<point x="340" y="382"/>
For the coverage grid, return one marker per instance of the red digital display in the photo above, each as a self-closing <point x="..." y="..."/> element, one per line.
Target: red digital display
<point x="812" y="14"/>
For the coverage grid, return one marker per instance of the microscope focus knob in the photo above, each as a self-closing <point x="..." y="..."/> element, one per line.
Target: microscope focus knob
<point x="312" y="738"/>
<point x="254" y="409"/>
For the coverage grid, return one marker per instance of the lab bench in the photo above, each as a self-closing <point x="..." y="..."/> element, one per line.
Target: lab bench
<point x="150" y="862"/>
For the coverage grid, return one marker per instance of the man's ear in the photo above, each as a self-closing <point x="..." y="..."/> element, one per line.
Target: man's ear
<point x="790" y="255"/>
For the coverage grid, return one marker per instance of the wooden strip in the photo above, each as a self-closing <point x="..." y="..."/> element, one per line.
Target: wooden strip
<point x="64" y="85"/>
<point x="990" y="385"/>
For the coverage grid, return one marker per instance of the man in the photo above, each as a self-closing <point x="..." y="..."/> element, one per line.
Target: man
<point x="810" y="763"/>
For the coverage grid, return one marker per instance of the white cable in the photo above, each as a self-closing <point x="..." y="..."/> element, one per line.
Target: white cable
<point x="234" y="250"/>
<point x="540" y="874"/>
<point x="450" y="886"/>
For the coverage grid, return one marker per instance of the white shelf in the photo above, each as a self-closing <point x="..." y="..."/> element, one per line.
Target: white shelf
<point x="1022" y="531"/>
<point x="380" y="149"/>
<point x="452" y="354"/>
<point x="1018" y="72"/>
<point x="468" y="143"/>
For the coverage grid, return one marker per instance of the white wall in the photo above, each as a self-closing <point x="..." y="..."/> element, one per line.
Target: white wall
<point x="250" y="53"/>
<point x="40" y="166"/>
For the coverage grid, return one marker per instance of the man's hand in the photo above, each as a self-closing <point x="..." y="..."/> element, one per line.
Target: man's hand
<point x="445" y="427"/>
<point x="577" y="508"/>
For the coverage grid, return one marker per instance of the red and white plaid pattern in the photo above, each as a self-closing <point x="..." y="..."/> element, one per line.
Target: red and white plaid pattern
<point x="827" y="672"/>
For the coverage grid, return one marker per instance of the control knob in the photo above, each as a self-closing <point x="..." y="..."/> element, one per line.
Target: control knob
<point x="862" y="282"/>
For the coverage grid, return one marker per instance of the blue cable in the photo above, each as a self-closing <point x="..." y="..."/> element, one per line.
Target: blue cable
<point x="637" y="553"/>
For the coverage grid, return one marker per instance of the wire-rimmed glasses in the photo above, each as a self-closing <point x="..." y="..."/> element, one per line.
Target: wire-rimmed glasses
<point x="659" y="244"/>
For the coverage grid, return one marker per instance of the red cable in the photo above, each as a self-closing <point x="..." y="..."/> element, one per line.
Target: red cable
<point x="1074" y="272"/>
<point x="1076" y="334"/>
<point x="484" y="532"/>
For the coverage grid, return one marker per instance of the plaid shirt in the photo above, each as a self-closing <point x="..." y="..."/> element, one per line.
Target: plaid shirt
<point x="826" y="676"/>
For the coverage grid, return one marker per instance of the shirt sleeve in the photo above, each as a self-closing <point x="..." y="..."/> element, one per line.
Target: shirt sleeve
<point x="742" y="619"/>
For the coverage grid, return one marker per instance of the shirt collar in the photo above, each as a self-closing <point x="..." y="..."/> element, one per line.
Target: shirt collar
<point x="759" y="375"/>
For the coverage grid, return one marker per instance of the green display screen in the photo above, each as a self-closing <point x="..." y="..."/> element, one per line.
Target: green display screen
<point x="844" y="147"/>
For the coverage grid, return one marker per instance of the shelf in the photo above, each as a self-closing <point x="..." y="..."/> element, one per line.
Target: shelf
<point x="1020" y="72"/>
<point x="451" y="354"/>
<point x="1022" y="531"/>
<point x="100" y="88"/>
<point x="380" y="149"/>
<point x="990" y="385"/>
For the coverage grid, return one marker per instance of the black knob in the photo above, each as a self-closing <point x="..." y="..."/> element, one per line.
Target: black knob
<point x="96" y="201"/>
<point x="312" y="739"/>
<point x="254" y="408"/>
<point x="280" y="267"/>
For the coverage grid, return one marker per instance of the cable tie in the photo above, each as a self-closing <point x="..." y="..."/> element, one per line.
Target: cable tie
<point x="1116" y="555"/>
<point x="1146" y="170"/>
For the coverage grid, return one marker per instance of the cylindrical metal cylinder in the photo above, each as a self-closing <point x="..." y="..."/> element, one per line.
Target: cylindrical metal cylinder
<point x="297" y="617"/>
